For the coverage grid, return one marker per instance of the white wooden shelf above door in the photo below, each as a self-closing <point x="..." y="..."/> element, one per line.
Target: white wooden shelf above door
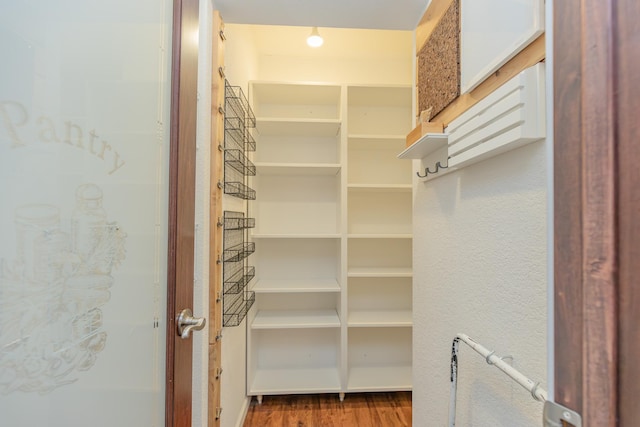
<point x="379" y="378"/>
<point x="292" y="381"/>
<point x="292" y="285"/>
<point x="295" y="319"/>
<point x="379" y="318"/>
<point x="307" y="169"/>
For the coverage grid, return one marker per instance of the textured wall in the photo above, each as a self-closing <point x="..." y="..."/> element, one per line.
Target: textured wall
<point x="480" y="268"/>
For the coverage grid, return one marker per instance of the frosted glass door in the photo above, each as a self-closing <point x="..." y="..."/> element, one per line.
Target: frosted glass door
<point x="84" y="135"/>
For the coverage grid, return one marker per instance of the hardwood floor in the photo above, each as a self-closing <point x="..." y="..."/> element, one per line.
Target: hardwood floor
<point x="326" y="410"/>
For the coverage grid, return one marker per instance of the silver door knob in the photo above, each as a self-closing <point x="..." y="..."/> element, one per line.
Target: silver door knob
<point x="187" y="323"/>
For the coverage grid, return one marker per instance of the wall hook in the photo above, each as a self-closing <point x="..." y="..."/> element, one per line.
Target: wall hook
<point x="428" y="171"/>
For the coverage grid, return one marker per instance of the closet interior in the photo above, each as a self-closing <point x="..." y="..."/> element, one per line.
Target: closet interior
<point x="332" y="294"/>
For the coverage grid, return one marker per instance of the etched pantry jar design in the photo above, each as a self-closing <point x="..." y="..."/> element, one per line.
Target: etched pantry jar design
<point x="51" y="322"/>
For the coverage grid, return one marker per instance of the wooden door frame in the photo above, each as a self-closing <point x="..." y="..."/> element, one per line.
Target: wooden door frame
<point x="182" y="183"/>
<point x="597" y="239"/>
<point x="627" y="54"/>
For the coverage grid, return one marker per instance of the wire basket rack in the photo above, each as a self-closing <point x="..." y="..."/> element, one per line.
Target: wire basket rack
<point x="236" y="299"/>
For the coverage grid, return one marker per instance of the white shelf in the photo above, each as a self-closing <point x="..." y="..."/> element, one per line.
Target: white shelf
<point x="375" y="234"/>
<point x="379" y="236"/>
<point x="380" y="378"/>
<point x="295" y="319"/>
<point x="426" y="145"/>
<point x="290" y="285"/>
<point x="294" y="236"/>
<point x="377" y="137"/>
<point x="302" y="127"/>
<point x="379" y="318"/>
<point x="291" y="381"/>
<point x="380" y="188"/>
<point x="298" y="168"/>
<point x="380" y="272"/>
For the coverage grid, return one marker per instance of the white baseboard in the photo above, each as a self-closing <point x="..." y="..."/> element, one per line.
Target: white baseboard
<point x="243" y="411"/>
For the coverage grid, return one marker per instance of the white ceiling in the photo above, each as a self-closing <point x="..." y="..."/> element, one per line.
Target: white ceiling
<point x="372" y="14"/>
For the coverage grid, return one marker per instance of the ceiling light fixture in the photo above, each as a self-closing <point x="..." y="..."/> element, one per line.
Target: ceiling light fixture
<point x="315" y="40"/>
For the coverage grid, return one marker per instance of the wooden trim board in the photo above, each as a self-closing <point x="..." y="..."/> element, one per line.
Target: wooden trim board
<point x="594" y="123"/>
<point x="628" y="152"/>
<point x="215" y="212"/>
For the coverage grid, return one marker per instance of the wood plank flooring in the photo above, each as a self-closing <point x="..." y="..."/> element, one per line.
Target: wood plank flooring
<point x="326" y="410"/>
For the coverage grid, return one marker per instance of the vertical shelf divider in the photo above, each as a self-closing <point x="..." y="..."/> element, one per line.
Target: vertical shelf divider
<point x="344" y="242"/>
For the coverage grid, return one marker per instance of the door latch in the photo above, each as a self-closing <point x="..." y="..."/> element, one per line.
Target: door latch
<point x="187" y="323"/>
<point x="556" y="415"/>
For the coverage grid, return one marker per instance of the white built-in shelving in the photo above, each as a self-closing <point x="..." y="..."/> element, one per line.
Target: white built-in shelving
<point x="379" y="240"/>
<point x="333" y="240"/>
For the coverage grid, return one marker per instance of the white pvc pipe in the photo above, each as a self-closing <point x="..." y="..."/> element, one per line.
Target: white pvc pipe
<point x="534" y="388"/>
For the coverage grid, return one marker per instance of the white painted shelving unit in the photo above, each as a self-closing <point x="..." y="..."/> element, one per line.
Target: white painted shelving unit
<point x="379" y="240"/>
<point x="333" y="240"/>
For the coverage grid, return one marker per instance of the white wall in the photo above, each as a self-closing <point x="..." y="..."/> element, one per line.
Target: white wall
<point x="481" y="267"/>
<point x="347" y="56"/>
<point x="341" y="70"/>
<point x="480" y="239"/>
<point x="240" y="67"/>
